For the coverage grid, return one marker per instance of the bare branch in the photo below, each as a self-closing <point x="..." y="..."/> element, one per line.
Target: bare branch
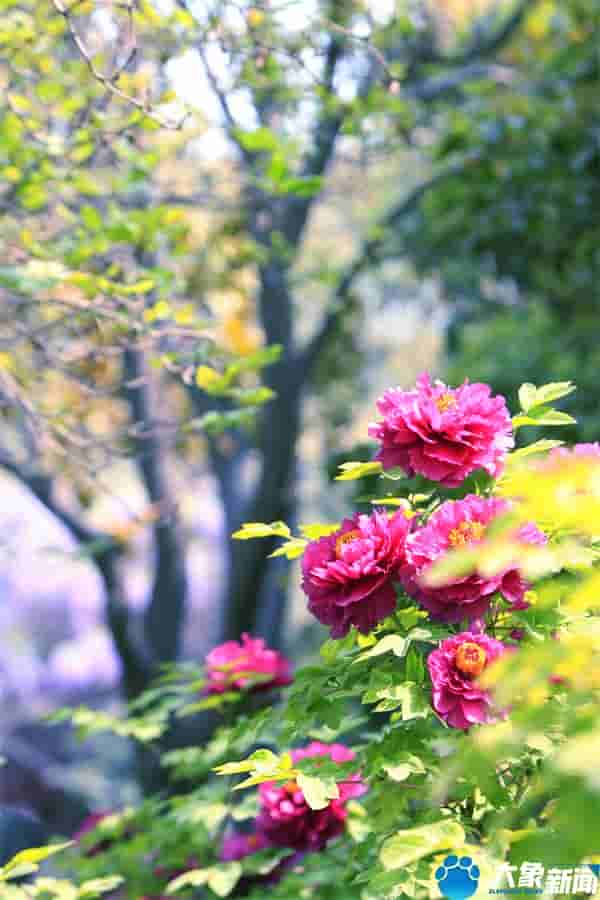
<point x="484" y="45"/>
<point x="109" y="82"/>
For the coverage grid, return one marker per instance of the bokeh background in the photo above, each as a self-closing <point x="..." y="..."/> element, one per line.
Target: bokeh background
<point x="227" y="227"/>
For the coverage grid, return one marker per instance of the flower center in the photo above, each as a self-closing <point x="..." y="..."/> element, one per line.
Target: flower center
<point x="253" y="841"/>
<point x="470" y="659"/>
<point x="445" y="401"/>
<point x="290" y="787"/>
<point x="344" y="539"/>
<point x="465" y="533"/>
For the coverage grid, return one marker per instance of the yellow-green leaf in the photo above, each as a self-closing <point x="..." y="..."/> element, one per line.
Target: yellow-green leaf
<point x="411" y="844"/>
<point x="251" y="530"/>
<point x="349" y="471"/>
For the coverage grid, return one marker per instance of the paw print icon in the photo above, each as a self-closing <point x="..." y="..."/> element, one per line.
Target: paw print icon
<point x="457" y="878"/>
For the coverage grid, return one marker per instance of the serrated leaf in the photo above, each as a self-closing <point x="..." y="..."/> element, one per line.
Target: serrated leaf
<point x="260" y="759"/>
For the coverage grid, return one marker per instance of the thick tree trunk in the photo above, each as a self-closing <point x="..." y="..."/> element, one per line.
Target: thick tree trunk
<point x="255" y="590"/>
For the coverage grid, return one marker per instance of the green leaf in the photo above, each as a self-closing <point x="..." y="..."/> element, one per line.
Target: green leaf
<point x="193" y="878"/>
<point x="537" y="447"/>
<point x="257" y="141"/>
<point x="395" y="643"/>
<point x="250" y="530"/>
<point x="27" y="861"/>
<point x="98" y="886"/>
<point x="318" y="792"/>
<point x="527" y="396"/>
<point x="349" y="471"/>
<point x="408" y="696"/>
<point x="222" y="879"/>
<point x="412" y="844"/>
<point x="91" y="217"/>
<point x="548" y="393"/>
<point x="254" y="396"/>
<point x="543" y="417"/>
<point x="306" y="186"/>
<point x="292" y="549"/>
<point x="260" y="759"/>
<point x="404" y="766"/>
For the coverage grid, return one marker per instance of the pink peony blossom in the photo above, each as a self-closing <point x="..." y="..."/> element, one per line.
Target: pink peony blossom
<point x="443" y="433"/>
<point x="581" y="451"/>
<point x="457" y="523"/>
<point x="245" y="665"/>
<point x="287" y="820"/>
<point x="454" y="668"/>
<point x="348" y="575"/>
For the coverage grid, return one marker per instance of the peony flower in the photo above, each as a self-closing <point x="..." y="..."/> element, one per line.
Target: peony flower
<point x="245" y="665"/>
<point x="287" y="820"/>
<point x="348" y="575"/>
<point x="89" y="825"/>
<point x="455" y="524"/>
<point x="454" y="668"/>
<point x="581" y="451"/>
<point x="236" y="845"/>
<point x="443" y="433"/>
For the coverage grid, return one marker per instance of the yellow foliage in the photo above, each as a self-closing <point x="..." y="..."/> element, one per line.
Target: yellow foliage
<point x="538" y="22"/>
<point x="239" y="336"/>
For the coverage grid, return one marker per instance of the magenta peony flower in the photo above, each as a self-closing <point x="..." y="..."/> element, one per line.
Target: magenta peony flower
<point x="236" y="845"/>
<point x="348" y="575"/>
<point x="245" y="665"/>
<point x="443" y="433"/>
<point x="287" y="820"/>
<point x="455" y="524"/>
<point x="89" y="824"/>
<point x="454" y="668"/>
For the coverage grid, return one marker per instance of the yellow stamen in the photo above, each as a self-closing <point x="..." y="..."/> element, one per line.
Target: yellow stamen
<point x="344" y="539"/>
<point x="445" y="401"/>
<point x="465" y="533"/>
<point x="290" y="787"/>
<point x="470" y="659"/>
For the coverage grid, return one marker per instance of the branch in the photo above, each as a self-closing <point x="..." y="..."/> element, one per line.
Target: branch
<point x="432" y="88"/>
<point x="370" y="254"/>
<point x="109" y="82"/>
<point x="490" y="42"/>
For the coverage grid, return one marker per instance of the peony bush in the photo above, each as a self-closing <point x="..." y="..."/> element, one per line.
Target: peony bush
<point x="453" y="710"/>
